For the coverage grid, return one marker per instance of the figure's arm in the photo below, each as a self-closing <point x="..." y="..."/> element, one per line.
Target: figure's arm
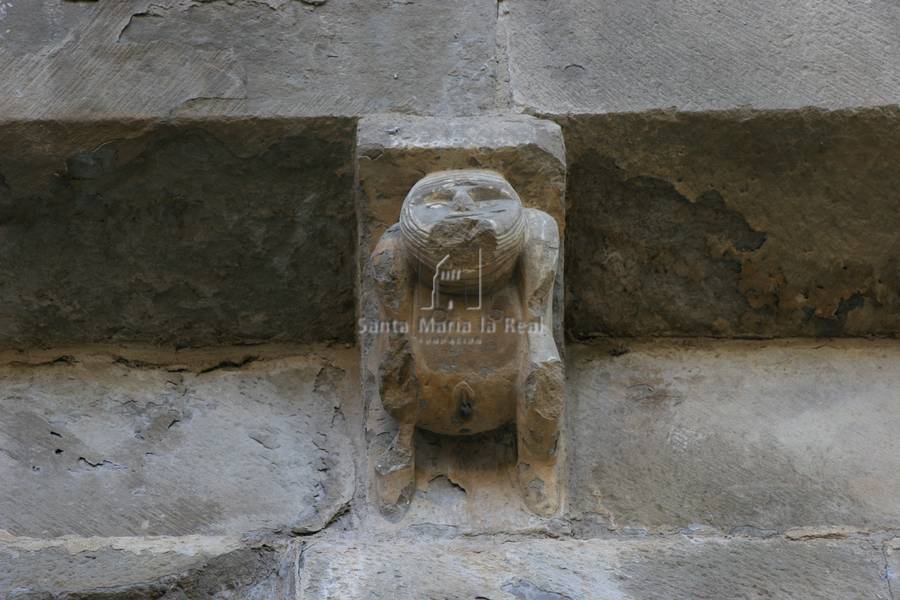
<point x="539" y="425"/>
<point x="539" y="263"/>
<point x="392" y="275"/>
<point x="394" y="284"/>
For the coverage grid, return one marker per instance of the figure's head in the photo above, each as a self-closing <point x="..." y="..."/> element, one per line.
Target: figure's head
<point x="458" y="214"/>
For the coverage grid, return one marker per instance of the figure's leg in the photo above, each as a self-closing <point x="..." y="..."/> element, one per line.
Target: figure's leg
<point x="395" y="464"/>
<point x="395" y="480"/>
<point x="538" y="421"/>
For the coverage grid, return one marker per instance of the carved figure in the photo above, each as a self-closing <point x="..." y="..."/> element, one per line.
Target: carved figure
<point x="465" y="283"/>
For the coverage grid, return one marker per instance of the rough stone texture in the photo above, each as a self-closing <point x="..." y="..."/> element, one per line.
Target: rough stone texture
<point x="749" y="437"/>
<point x="734" y="224"/>
<point x="671" y="569"/>
<point x="216" y="445"/>
<point x="590" y="57"/>
<point x="159" y="569"/>
<point x="180" y="233"/>
<point x="151" y="58"/>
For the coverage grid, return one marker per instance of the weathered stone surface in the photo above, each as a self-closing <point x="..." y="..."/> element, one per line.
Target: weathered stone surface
<point x="677" y="568"/>
<point x="187" y="233"/>
<point x="153" y="58"/>
<point x="589" y="57"/>
<point x="753" y="437"/>
<point x="393" y="153"/>
<point x="218" y="444"/>
<point x="142" y="569"/>
<point x="734" y="224"/>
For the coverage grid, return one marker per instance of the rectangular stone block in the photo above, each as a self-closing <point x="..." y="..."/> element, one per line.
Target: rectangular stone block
<point x="159" y="58"/>
<point x="684" y="568"/>
<point x="393" y="153"/>
<point x="763" y="224"/>
<point x="140" y="568"/>
<point x="148" y="443"/>
<point x="745" y="437"/>
<point x="184" y="233"/>
<point x="596" y="57"/>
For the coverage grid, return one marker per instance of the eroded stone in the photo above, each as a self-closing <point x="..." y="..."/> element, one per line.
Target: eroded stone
<point x="467" y="250"/>
<point x="99" y="446"/>
<point x="734" y="224"/>
<point x="739" y="436"/>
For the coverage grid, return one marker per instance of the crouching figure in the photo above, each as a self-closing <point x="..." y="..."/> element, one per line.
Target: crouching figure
<point x="470" y="274"/>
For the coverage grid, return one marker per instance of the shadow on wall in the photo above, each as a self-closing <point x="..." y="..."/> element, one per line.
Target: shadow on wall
<point x="193" y="233"/>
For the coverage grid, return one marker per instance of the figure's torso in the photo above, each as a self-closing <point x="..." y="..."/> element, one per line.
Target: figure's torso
<point x="464" y="339"/>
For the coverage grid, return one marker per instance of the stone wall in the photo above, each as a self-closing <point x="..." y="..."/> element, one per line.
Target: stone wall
<point x="180" y="173"/>
<point x="758" y="203"/>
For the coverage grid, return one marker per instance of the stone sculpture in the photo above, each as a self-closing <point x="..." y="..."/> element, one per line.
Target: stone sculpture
<point x="465" y="284"/>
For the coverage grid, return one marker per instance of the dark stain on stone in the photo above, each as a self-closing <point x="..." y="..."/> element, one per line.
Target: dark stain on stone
<point x="523" y="589"/>
<point x="642" y="258"/>
<point x="835" y="326"/>
<point x="102" y="464"/>
<point x="229" y="365"/>
<point x="93" y="164"/>
<point x="184" y="235"/>
<point x="817" y="187"/>
<point x="236" y="573"/>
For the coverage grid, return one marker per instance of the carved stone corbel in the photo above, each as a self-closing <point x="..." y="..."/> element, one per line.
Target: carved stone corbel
<point x="470" y="272"/>
<point x="460" y="229"/>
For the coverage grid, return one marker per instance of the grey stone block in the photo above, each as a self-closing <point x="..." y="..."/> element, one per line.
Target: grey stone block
<point x="673" y="569"/>
<point x="745" y="437"/>
<point x="112" y="446"/>
<point x="154" y="58"/>
<point x="142" y="569"/>
<point x="590" y="57"/>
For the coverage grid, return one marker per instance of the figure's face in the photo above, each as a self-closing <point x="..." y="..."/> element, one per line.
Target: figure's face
<point x="463" y="219"/>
